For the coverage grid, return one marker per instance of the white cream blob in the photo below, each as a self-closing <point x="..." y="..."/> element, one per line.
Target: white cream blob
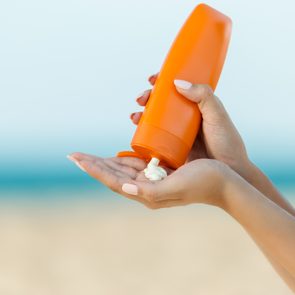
<point x="154" y="172"/>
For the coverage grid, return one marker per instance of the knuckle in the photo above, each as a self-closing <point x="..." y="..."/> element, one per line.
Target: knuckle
<point x="202" y="93"/>
<point x="205" y="90"/>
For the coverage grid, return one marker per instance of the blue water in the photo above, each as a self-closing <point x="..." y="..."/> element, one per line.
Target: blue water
<point x="60" y="178"/>
<point x="26" y="180"/>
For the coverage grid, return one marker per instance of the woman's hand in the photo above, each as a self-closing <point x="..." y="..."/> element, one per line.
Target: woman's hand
<point x="199" y="181"/>
<point x="218" y="138"/>
<point x="208" y="181"/>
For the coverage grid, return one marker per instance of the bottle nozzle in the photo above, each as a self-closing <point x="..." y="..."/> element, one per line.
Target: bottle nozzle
<point x="153" y="171"/>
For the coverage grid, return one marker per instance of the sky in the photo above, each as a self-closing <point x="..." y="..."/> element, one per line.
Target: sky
<point x="71" y="70"/>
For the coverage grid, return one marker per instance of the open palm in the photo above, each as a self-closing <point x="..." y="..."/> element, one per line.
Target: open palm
<point x="188" y="184"/>
<point x="115" y="171"/>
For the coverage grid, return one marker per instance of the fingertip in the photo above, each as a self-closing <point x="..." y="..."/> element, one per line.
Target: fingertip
<point x="130" y="189"/>
<point x="81" y="166"/>
<point x="77" y="161"/>
<point x="76" y="156"/>
<point x="136" y="117"/>
<point x="132" y="117"/>
<point x="182" y="84"/>
<point x="70" y="157"/>
<point x="152" y="79"/>
<point x="142" y="99"/>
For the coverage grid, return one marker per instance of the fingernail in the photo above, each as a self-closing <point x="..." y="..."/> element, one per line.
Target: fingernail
<point x="131" y="116"/>
<point x="71" y="158"/>
<point x="151" y="77"/>
<point x="76" y="162"/>
<point x="182" y="84"/>
<point x="130" y="189"/>
<point x="140" y="95"/>
<point x="79" y="165"/>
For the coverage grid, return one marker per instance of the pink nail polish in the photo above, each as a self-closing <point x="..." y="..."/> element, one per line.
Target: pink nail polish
<point x="182" y="84"/>
<point x="152" y="77"/>
<point x="130" y="189"/>
<point x="71" y="158"/>
<point x="80" y="166"/>
<point x="76" y="162"/>
<point x="140" y="95"/>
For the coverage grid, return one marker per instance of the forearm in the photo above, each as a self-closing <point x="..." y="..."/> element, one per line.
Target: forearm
<point x="260" y="181"/>
<point x="269" y="225"/>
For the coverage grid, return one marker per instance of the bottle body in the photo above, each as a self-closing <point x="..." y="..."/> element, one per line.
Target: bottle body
<point x="170" y="122"/>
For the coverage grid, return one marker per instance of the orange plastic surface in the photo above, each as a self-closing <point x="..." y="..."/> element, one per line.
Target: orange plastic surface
<point x="170" y="122"/>
<point x="130" y="154"/>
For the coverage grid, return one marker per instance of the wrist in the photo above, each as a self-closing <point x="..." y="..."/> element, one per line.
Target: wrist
<point x="243" y="166"/>
<point x="233" y="185"/>
<point x="224" y="176"/>
<point x="252" y="174"/>
<point x="247" y="170"/>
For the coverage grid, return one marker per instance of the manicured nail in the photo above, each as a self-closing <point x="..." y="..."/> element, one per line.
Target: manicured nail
<point x="140" y="95"/>
<point x="183" y="84"/>
<point x="80" y="166"/>
<point x="151" y="77"/>
<point x="76" y="162"/>
<point x="71" y="158"/>
<point x="130" y="189"/>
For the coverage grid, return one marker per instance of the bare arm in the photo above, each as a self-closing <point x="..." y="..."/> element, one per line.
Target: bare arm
<point x="261" y="182"/>
<point x="267" y="220"/>
<point x="220" y="140"/>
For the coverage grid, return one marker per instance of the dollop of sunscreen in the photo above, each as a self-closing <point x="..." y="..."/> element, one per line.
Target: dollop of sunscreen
<point x="153" y="171"/>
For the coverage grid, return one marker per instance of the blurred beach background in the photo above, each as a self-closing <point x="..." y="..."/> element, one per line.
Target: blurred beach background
<point x="70" y="72"/>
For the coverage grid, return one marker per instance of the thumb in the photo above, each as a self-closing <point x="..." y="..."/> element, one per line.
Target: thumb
<point x="152" y="192"/>
<point x="209" y="105"/>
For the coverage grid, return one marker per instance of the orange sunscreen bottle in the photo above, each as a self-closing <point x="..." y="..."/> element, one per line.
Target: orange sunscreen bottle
<point x="170" y="122"/>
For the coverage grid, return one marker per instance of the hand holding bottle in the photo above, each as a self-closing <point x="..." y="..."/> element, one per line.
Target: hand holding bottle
<point x="218" y="138"/>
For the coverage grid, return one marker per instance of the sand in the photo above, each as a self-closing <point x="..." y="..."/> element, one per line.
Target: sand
<point x="89" y="246"/>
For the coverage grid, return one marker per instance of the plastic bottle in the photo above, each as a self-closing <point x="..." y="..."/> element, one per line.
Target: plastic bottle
<point x="170" y="122"/>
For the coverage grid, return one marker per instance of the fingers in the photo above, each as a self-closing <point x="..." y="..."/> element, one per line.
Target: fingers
<point x="152" y="79"/>
<point x="133" y="162"/>
<point x="135" y="117"/>
<point x="120" y="170"/>
<point x="155" y="193"/>
<point x="143" y="98"/>
<point x="209" y="105"/>
<point x="122" y="175"/>
<point x="77" y="156"/>
<point x="112" y="178"/>
<point x="103" y="173"/>
<point x="111" y="171"/>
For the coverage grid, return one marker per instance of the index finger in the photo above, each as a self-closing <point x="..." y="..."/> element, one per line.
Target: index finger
<point x="152" y="79"/>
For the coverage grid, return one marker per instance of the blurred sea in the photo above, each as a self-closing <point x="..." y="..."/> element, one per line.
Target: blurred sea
<point x="67" y="181"/>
